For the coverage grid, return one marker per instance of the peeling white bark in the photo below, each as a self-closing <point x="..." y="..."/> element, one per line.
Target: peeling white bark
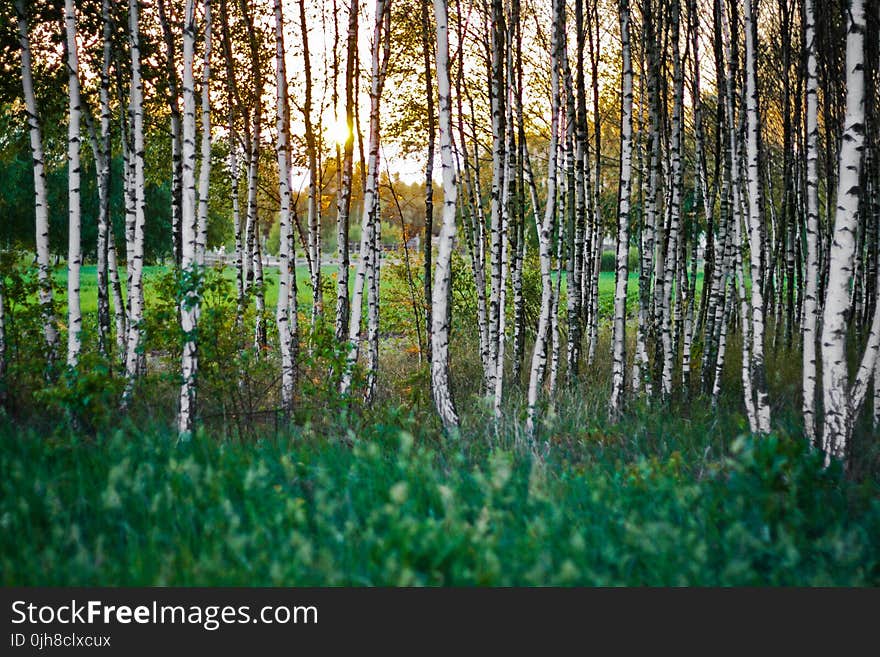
<point x="41" y="202"/>
<point x="618" y="375"/>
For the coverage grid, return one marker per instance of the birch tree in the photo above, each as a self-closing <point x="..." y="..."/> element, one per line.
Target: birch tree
<point x="174" y="111"/>
<point x="41" y="201"/>
<point x="496" y="100"/>
<point x="545" y="228"/>
<point x="431" y="133"/>
<point x="674" y="209"/>
<point x="641" y="365"/>
<point x="343" y="204"/>
<point x="837" y="391"/>
<point x="379" y="68"/>
<point x="314" y="218"/>
<point x="440" y="293"/>
<point x="285" y="314"/>
<point x="759" y="378"/>
<point x="205" y="167"/>
<point x="101" y="148"/>
<point x="135" y="254"/>
<point x="622" y="272"/>
<point x="812" y="226"/>
<point x="74" y="242"/>
<point x="190" y="271"/>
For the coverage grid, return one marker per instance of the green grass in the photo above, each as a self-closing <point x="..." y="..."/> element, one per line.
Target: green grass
<point x="137" y="507"/>
<point x="89" y="283"/>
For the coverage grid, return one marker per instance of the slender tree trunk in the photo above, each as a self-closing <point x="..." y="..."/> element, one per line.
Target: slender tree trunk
<point x="205" y="168"/>
<point x="252" y="255"/>
<point x="190" y="270"/>
<point x="74" y="174"/>
<point x="119" y="313"/>
<point x="233" y="101"/>
<point x="101" y="149"/>
<point x="343" y="205"/>
<point x="759" y="378"/>
<point x="431" y="130"/>
<point x="496" y="96"/>
<point x="721" y="268"/>
<point x="573" y="206"/>
<point x="810" y="332"/>
<point x="674" y="209"/>
<point x="545" y="229"/>
<point x="136" y="254"/>
<point x="738" y="217"/>
<point x="440" y="293"/>
<point x="475" y="230"/>
<point x="260" y="337"/>
<point x="646" y="318"/>
<point x="379" y="68"/>
<point x="235" y="180"/>
<point x="373" y="267"/>
<point x="174" y="109"/>
<point x="41" y="201"/>
<point x="103" y="179"/>
<point x="596" y="192"/>
<point x="314" y="220"/>
<point x="839" y="411"/>
<point x="285" y="254"/>
<point x="618" y="376"/>
<point x="518" y="234"/>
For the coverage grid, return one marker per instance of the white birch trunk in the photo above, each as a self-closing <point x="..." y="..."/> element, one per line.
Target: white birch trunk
<point x="102" y="152"/>
<point x="314" y="215"/>
<point x="497" y="96"/>
<point x="641" y="367"/>
<point x="674" y="209"/>
<point x="618" y="375"/>
<point x="174" y="110"/>
<point x="119" y="313"/>
<point x="189" y="233"/>
<point x="811" y="266"/>
<point x="234" y="177"/>
<point x="74" y="242"/>
<point x="373" y="305"/>
<point x="283" y="307"/>
<point x="371" y="197"/>
<point x="746" y="325"/>
<point x="343" y="206"/>
<point x="738" y="217"/>
<point x="506" y="209"/>
<point x="839" y="413"/>
<point x="762" y="402"/>
<point x="41" y="201"/>
<point x="205" y="169"/>
<point x="442" y="274"/>
<point x="136" y="255"/>
<point x="545" y="230"/>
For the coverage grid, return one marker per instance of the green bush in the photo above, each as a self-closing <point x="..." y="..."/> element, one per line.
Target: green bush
<point x="609" y="261"/>
<point x="139" y="508"/>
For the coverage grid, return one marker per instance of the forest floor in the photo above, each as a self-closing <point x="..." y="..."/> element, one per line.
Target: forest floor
<point x="386" y="501"/>
<point x="347" y="494"/>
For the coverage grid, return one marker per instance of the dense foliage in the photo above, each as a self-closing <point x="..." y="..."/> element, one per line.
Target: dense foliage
<point x="386" y="506"/>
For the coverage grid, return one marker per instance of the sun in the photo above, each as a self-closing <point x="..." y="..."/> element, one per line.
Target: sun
<point x="338" y="131"/>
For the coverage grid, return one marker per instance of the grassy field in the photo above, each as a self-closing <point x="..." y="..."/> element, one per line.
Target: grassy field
<point x="89" y="284"/>
<point x="137" y="507"/>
